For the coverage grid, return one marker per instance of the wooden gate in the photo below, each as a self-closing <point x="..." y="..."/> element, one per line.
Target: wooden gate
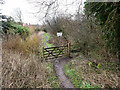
<point x="55" y="52"/>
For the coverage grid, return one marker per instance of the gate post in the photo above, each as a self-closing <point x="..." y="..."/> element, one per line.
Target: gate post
<point x="68" y="49"/>
<point x="43" y="52"/>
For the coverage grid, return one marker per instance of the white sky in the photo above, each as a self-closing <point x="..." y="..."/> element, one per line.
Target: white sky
<point x="11" y="5"/>
<point x="28" y="9"/>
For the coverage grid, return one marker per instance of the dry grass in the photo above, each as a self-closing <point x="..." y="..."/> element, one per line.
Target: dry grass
<point x="107" y="76"/>
<point x="20" y="71"/>
<point x="31" y="45"/>
<point x="22" y="66"/>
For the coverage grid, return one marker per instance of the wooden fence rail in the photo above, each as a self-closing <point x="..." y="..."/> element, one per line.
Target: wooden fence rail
<point x="55" y="52"/>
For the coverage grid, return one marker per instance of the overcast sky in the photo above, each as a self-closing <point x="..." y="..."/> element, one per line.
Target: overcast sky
<point x="11" y="5"/>
<point x="28" y="9"/>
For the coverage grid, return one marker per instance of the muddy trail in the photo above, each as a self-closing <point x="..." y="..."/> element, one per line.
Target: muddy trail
<point x="59" y="64"/>
<point x="41" y="35"/>
<point x="45" y="42"/>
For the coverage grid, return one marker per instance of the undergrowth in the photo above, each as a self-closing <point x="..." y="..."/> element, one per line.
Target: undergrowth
<point x="76" y="78"/>
<point x="21" y="71"/>
<point x="85" y="74"/>
<point x="47" y="38"/>
<point x="52" y="77"/>
<point x="22" y="67"/>
<point x="32" y="44"/>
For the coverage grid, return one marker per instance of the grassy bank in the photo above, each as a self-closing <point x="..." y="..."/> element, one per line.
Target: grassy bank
<point x="47" y="38"/>
<point x="52" y="79"/>
<point x="83" y="74"/>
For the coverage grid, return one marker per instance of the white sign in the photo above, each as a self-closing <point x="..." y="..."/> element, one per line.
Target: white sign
<point x="59" y="34"/>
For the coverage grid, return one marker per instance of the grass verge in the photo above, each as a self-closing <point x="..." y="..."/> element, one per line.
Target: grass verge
<point x="83" y="76"/>
<point x="52" y="79"/>
<point x="76" y="78"/>
<point x="47" y="36"/>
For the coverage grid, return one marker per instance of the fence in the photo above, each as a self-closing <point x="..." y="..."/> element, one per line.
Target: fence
<point x="55" y="52"/>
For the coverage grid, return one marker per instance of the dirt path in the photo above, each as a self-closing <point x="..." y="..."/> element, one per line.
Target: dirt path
<point x="45" y="42"/>
<point x="41" y="35"/>
<point x="59" y="69"/>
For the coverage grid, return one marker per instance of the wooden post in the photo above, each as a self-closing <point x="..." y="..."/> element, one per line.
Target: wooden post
<point x="43" y="52"/>
<point x="68" y="49"/>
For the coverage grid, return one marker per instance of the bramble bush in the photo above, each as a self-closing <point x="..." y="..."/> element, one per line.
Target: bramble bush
<point x="10" y="27"/>
<point x="22" y="31"/>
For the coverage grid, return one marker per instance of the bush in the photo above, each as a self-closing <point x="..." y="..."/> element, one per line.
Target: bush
<point x="32" y="44"/>
<point x="11" y="27"/>
<point x="37" y="29"/>
<point x="22" y="31"/>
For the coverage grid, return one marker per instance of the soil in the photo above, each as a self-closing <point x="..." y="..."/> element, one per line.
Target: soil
<point x="59" y="64"/>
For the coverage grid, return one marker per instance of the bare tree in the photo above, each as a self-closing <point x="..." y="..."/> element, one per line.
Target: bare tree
<point x="2" y="1"/>
<point x="52" y="8"/>
<point x="18" y="15"/>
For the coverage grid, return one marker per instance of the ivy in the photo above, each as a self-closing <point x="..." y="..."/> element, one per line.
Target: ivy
<point x="108" y="15"/>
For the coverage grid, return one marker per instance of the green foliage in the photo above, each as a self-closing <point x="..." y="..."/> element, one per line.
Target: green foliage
<point x="90" y="63"/>
<point x="6" y="25"/>
<point x="98" y="66"/>
<point x="52" y="78"/>
<point x="108" y="17"/>
<point x="12" y="27"/>
<point x="71" y="73"/>
<point x="47" y="38"/>
<point x="76" y="78"/>
<point x="18" y="29"/>
<point x="87" y="85"/>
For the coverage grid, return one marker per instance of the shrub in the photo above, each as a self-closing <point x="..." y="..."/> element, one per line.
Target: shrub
<point x="37" y="29"/>
<point x="32" y="44"/>
<point x="22" y="31"/>
<point x="11" y="27"/>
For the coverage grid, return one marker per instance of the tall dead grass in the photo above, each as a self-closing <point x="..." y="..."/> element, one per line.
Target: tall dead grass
<point x="32" y="44"/>
<point x="21" y="66"/>
<point x="19" y="71"/>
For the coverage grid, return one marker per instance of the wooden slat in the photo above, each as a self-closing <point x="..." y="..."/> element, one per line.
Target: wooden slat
<point x="55" y="52"/>
<point x="55" y="47"/>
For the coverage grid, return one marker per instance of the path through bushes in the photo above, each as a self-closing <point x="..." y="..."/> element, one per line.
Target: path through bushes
<point x="59" y="68"/>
